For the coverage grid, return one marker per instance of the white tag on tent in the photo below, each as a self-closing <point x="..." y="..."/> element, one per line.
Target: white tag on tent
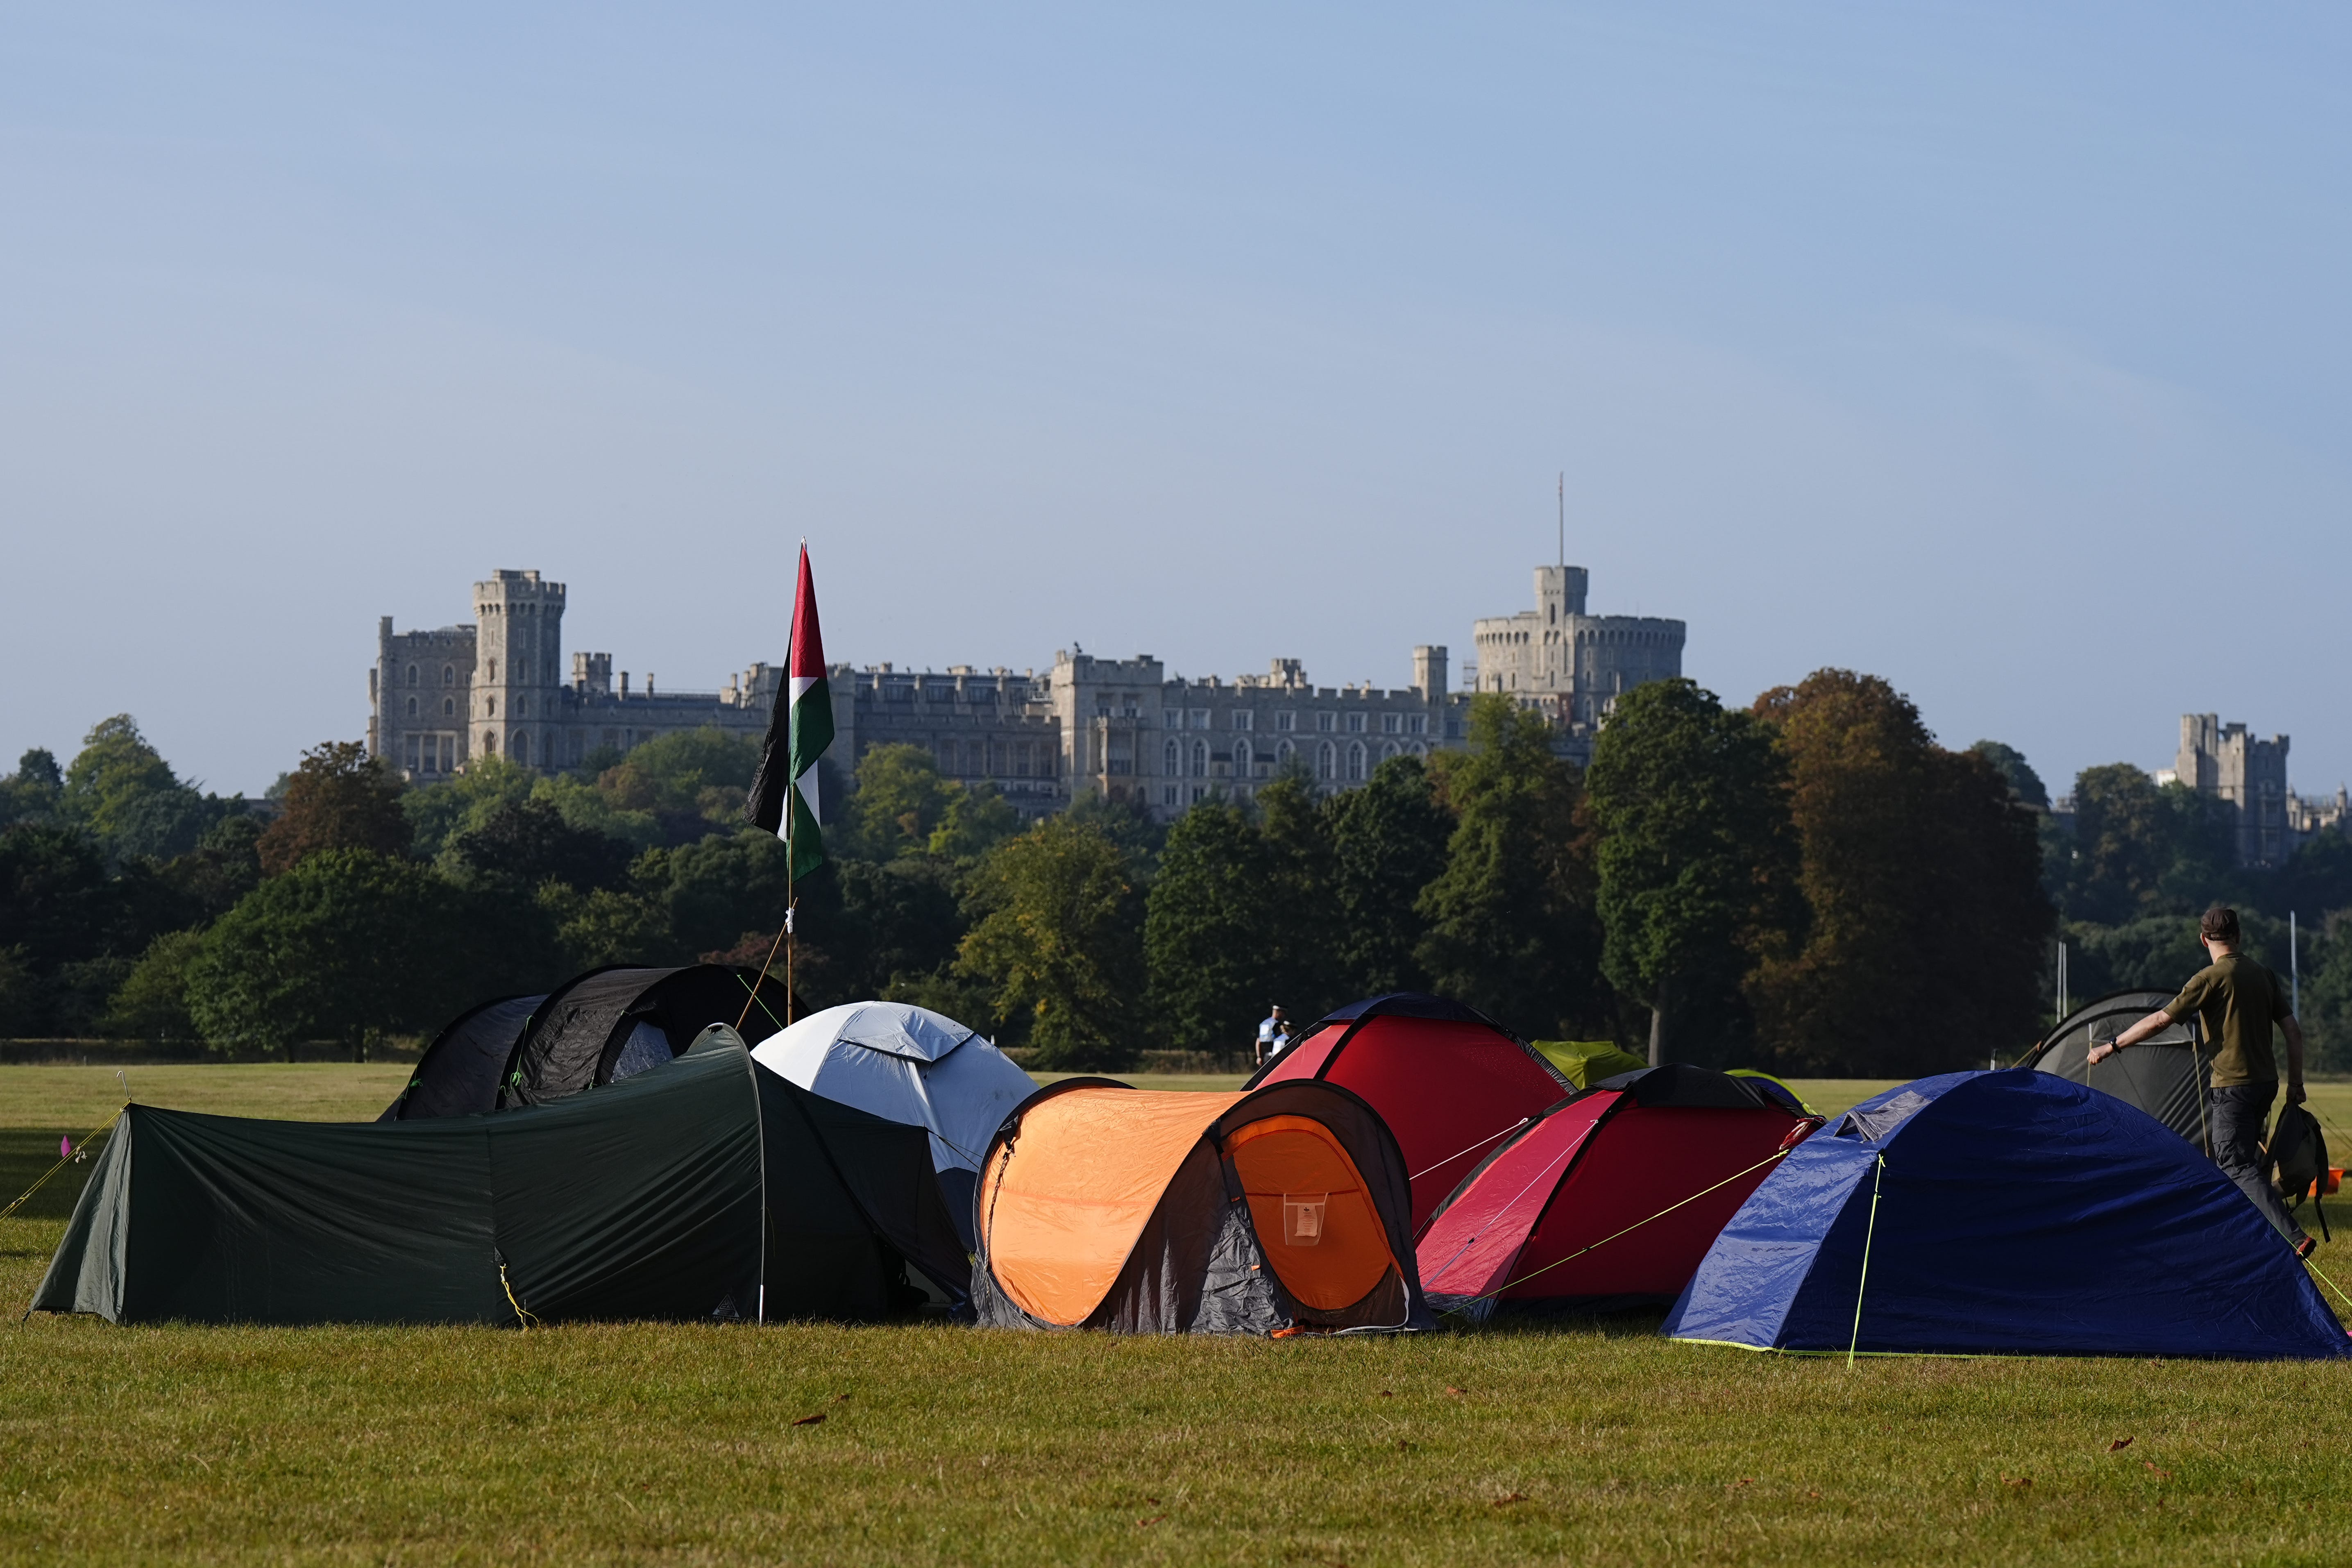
<point x="1302" y="1217"/>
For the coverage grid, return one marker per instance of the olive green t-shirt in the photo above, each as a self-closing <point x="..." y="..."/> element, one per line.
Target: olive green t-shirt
<point x="2238" y="1001"/>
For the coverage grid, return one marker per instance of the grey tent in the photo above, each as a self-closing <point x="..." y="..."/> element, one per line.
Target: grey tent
<point x="595" y="1028"/>
<point x="2169" y="1075"/>
<point x="706" y="1187"/>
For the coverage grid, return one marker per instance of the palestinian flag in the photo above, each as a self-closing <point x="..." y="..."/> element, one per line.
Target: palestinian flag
<point x="784" y="792"/>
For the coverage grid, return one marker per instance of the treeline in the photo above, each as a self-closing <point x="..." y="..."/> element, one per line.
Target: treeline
<point x="1810" y="883"/>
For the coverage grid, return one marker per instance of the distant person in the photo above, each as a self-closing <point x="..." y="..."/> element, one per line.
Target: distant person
<point x="1273" y="1033"/>
<point x="2237" y="1001"/>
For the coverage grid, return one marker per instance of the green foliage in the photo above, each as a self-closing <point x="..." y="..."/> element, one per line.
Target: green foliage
<point x="1059" y="949"/>
<point x="604" y="926"/>
<point x="890" y="931"/>
<point x="339" y="798"/>
<point x="34" y="790"/>
<point x="724" y="891"/>
<point x="519" y="847"/>
<point x="977" y="819"/>
<point x="350" y="943"/>
<point x="151" y="1003"/>
<point x="1928" y="925"/>
<point x="437" y="813"/>
<point x="1388" y="842"/>
<point x="2327" y="1006"/>
<point x="900" y="803"/>
<point x="2140" y="849"/>
<point x="166" y="824"/>
<point x="691" y="781"/>
<point x="2016" y="772"/>
<point x="115" y="770"/>
<point x="1696" y="863"/>
<point x="1213" y="930"/>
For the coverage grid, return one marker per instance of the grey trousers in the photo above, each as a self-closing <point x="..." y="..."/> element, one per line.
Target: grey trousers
<point x="2239" y="1111"/>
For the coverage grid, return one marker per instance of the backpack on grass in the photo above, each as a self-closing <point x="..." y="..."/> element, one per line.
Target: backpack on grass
<point x="2296" y="1161"/>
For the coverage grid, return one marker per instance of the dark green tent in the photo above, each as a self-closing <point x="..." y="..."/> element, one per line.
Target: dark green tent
<point x="706" y="1187"/>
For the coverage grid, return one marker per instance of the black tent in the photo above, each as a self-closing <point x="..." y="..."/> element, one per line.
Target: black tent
<point x="707" y="1187"/>
<point x="598" y="1027"/>
<point x="2169" y="1075"/>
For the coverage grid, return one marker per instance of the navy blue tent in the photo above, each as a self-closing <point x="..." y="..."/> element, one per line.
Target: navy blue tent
<point x="2016" y="1213"/>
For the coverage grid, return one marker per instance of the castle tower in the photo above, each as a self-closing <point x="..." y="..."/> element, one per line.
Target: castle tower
<point x="518" y="679"/>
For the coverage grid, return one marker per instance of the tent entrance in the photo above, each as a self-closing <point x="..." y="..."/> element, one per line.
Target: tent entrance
<point x="1313" y="1217"/>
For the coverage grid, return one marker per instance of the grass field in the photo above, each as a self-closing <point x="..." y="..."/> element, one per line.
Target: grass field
<point x="1592" y="1440"/>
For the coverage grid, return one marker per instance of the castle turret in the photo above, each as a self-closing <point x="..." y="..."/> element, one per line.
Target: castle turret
<point x="518" y="680"/>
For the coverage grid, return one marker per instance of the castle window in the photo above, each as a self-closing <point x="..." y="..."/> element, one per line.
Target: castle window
<point x="1200" y="761"/>
<point x="1283" y="753"/>
<point x="412" y="707"/>
<point x="1286" y="722"/>
<point x="1172" y="718"/>
<point x="1355" y="723"/>
<point x="1326" y="762"/>
<point x="1242" y="759"/>
<point x="489" y="742"/>
<point x="1327" y="721"/>
<point x="523" y="706"/>
<point x="1391" y="723"/>
<point x="1243" y="719"/>
<point x="448" y="706"/>
<point x="412" y="675"/>
<point x="1355" y="762"/>
<point x="494" y="670"/>
<point x="1200" y="717"/>
<point x="1417" y="723"/>
<point x="1389" y="749"/>
<point x="448" y="674"/>
<point x="489" y="707"/>
<point x="1169" y="794"/>
<point x="416" y="753"/>
<point x="1174" y="759"/>
<point x="522" y="746"/>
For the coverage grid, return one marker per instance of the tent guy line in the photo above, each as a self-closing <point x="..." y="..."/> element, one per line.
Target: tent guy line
<point x="1481" y="1143"/>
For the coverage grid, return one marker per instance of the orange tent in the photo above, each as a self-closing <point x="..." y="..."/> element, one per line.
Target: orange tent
<point x="1104" y="1206"/>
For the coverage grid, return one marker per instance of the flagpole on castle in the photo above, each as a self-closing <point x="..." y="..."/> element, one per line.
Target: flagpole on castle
<point x="799" y="730"/>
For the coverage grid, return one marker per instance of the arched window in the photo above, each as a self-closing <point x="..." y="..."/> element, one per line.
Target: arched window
<point x="1355" y="762"/>
<point x="1326" y="762"/>
<point x="494" y="670"/>
<point x="523" y="706"/>
<point x="412" y="675"/>
<point x="1282" y="753"/>
<point x="522" y="746"/>
<point x="1419" y="750"/>
<point x="448" y="674"/>
<point x="490" y="707"/>
<point x="412" y="707"/>
<point x="489" y="742"/>
<point x="1200" y="759"/>
<point x="448" y="706"/>
<point x="1243" y="757"/>
<point x="1387" y="749"/>
<point x="1174" y="759"/>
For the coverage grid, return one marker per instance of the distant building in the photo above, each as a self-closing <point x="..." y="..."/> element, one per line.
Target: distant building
<point x="1572" y="665"/>
<point x="2224" y="760"/>
<point x="1121" y="729"/>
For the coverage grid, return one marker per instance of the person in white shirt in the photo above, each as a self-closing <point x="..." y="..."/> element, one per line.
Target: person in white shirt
<point x="1273" y="1033"/>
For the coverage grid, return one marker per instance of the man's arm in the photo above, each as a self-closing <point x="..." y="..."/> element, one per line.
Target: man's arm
<point x="2160" y="1020"/>
<point x="2294" y="1057"/>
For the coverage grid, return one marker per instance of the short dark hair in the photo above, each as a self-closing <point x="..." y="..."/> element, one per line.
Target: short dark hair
<point x="2219" y="924"/>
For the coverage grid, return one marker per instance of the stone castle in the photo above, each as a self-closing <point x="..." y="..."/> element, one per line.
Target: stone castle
<point x="1119" y="728"/>
<point x="2225" y="759"/>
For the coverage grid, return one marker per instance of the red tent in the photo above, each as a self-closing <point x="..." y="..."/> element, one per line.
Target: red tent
<point x="1612" y="1198"/>
<point x="1450" y="1081"/>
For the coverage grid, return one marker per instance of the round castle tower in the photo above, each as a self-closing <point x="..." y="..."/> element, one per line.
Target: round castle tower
<point x="517" y="673"/>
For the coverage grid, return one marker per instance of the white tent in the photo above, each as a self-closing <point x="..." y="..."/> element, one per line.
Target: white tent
<point x="912" y="1064"/>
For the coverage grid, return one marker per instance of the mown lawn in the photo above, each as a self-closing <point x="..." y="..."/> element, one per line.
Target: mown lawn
<point x="1586" y="1440"/>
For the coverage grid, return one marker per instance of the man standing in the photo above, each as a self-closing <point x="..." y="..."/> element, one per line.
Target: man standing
<point x="1273" y="1033"/>
<point x="2237" y="1001"/>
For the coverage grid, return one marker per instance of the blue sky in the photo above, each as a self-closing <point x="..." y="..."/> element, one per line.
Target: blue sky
<point x="1996" y="350"/>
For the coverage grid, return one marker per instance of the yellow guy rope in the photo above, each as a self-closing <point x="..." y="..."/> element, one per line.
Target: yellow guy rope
<point x="1878" y="1172"/>
<point x="23" y="1197"/>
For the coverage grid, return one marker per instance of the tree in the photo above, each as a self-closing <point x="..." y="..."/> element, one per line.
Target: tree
<point x="1509" y="924"/>
<point x="1388" y="843"/>
<point x="525" y="844"/>
<point x="339" y="798"/>
<point x="1060" y="948"/>
<point x="900" y="802"/>
<point x="2010" y="763"/>
<point x="151" y="1003"/>
<point x="1211" y="929"/>
<point x="345" y="944"/>
<point x="2142" y="849"/>
<point x="977" y="819"/>
<point x="1922" y="876"/>
<point x="689" y="782"/>
<point x="728" y="890"/>
<point x="1697" y="862"/>
<point x="115" y="770"/>
<point x="34" y="790"/>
